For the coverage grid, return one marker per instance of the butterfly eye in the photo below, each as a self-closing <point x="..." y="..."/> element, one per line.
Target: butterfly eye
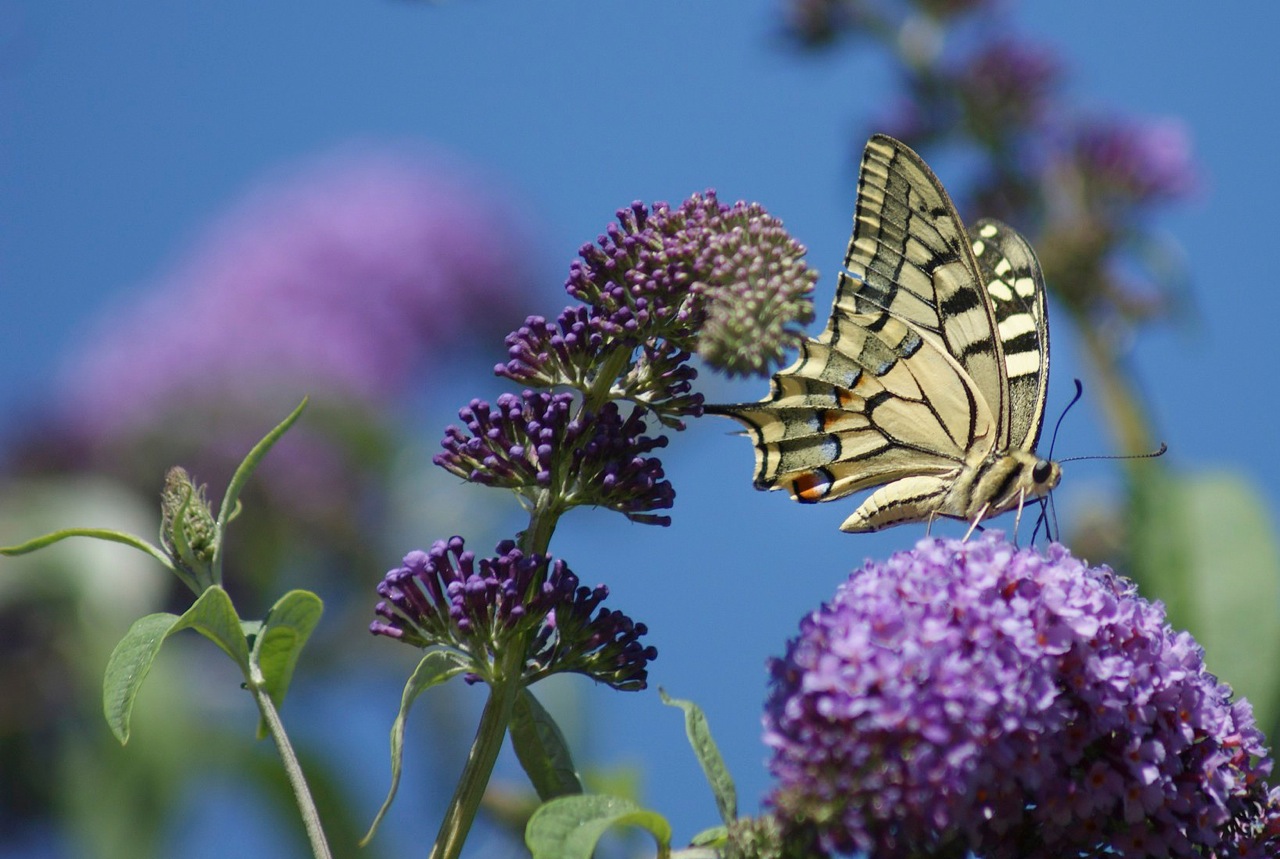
<point x="1041" y="471"/>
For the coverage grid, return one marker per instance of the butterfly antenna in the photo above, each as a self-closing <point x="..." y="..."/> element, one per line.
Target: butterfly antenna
<point x="1161" y="451"/>
<point x="1054" y="439"/>
<point x="1046" y="505"/>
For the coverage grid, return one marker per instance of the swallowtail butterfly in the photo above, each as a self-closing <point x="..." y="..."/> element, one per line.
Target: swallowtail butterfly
<point x="930" y="378"/>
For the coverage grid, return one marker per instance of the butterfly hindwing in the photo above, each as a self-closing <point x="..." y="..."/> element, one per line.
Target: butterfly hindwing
<point x="1015" y="288"/>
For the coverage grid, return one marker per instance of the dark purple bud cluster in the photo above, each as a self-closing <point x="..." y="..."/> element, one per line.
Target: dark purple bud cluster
<point x="511" y="443"/>
<point x="564" y="352"/>
<point x="536" y="442"/>
<point x="447" y="597"/>
<point x="661" y="379"/>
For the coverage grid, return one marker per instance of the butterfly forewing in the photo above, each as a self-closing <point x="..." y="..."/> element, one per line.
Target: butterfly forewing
<point x="910" y="257"/>
<point x="862" y="406"/>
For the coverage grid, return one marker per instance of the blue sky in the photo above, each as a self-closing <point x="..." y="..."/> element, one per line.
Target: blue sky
<point x="121" y="134"/>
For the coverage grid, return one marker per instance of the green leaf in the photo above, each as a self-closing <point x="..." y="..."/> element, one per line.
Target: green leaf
<point x="716" y="836"/>
<point x="129" y="665"/>
<point x="570" y="827"/>
<point x="231" y="500"/>
<point x="541" y="748"/>
<point x="280" y="639"/>
<point x="97" y="534"/>
<point x="1205" y="546"/>
<point x="436" y="667"/>
<point x="212" y="615"/>
<point x="713" y="766"/>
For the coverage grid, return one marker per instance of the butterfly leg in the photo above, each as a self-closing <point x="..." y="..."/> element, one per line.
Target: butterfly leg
<point x="973" y="526"/>
<point x="1017" y="519"/>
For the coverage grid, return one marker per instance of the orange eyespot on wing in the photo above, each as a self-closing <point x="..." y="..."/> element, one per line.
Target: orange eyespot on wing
<point x="812" y="487"/>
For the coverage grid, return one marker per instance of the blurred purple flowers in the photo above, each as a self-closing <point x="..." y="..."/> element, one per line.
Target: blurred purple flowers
<point x="339" y="280"/>
<point x="1135" y="162"/>
<point x="448" y="597"/>
<point x="974" y="697"/>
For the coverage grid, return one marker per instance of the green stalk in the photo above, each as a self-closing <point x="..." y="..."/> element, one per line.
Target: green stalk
<point x="508" y="679"/>
<point x="504" y="689"/>
<point x="306" y="805"/>
<point x="484" y="753"/>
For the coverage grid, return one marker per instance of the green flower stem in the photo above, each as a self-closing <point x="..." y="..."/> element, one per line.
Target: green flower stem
<point x="1130" y="426"/>
<point x="484" y="753"/>
<point x="504" y="689"/>
<point x="306" y="805"/>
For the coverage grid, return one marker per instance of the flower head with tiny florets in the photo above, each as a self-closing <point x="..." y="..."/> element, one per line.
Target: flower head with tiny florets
<point x="725" y="281"/>
<point x="448" y="597"/>
<point x="974" y="697"/>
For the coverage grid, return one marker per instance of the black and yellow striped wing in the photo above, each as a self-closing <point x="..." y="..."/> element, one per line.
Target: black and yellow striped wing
<point x="1015" y="289"/>
<point x="931" y="372"/>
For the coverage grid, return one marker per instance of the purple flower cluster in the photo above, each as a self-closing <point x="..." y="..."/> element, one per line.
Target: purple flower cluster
<point x="974" y="697"/>
<point x="726" y="281"/>
<point x="345" y="280"/>
<point x="447" y="597"/>
<point x="538" y="444"/>
<point x="1008" y="83"/>
<point x="1137" y="162"/>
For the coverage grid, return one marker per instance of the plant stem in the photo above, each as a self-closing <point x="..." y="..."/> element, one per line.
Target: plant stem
<point x="484" y="753"/>
<point x="306" y="805"/>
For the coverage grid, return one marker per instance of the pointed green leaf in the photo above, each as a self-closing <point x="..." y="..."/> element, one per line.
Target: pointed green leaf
<point x="97" y="534"/>
<point x="571" y="826"/>
<point x="231" y="499"/>
<point x="436" y="667"/>
<point x="541" y="748"/>
<point x="1236" y="586"/>
<point x="713" y="766"/>
<point x="129" y="665"/>
<point x="280" y="639"/>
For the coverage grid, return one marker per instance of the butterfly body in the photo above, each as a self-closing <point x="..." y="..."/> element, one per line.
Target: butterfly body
<point x="929" y="381"/>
